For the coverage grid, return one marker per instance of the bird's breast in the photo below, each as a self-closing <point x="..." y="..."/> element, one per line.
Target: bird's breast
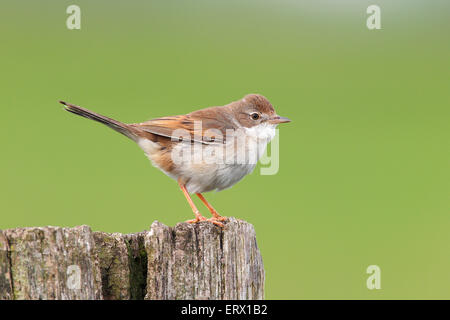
<point x="207" y="167"/>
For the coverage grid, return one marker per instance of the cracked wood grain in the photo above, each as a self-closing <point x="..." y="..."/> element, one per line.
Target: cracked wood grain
<point x="202" y="261"/>
<point x="188" y="261"/>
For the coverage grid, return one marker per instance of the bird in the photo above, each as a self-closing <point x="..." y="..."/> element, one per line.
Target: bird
<point x="208" y="149"/>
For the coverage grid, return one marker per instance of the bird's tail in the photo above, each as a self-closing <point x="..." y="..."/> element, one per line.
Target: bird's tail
<point x="118" y="126"/>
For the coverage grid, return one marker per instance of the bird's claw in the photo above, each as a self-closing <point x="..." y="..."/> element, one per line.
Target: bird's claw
<point x="219" y="217"/>
<point x="212" y="220"/>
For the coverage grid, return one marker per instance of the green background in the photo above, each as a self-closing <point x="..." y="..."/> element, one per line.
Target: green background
<point x="364" y="166"/>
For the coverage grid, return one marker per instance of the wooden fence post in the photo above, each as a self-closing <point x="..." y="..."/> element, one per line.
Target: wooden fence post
<point x="188" y="261"/>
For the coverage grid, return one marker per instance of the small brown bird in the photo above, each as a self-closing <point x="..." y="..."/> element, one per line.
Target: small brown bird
<point x="205" y="150"/>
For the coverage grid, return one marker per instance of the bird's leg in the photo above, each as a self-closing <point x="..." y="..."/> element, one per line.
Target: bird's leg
<point x="213" y="211"/>
<point x="198" y="216"/>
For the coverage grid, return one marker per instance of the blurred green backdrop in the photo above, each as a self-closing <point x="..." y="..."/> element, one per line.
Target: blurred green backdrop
<point x="364" y="166"/>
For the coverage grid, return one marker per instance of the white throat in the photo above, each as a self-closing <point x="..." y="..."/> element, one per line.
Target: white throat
<point x="261" y="132"/>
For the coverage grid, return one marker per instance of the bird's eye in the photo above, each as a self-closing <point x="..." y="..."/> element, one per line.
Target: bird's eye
<point x="255" y="116"/>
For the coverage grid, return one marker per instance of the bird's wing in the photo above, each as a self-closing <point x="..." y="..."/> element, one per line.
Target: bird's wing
<point x="207" y="126"/>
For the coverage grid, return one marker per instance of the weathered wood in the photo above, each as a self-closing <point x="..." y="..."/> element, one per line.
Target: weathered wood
<point x="112" y="255"/>
<point x="137" y="264"/>
<point x="188" y="261"/>
<point x="123" y="265"/>
<point x="5" y="269"/>
<point x="45" y="261"/>
<point x="202" y="261"/>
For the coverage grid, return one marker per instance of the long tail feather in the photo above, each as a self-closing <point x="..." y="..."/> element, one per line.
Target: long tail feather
<point x="113" y="124"/>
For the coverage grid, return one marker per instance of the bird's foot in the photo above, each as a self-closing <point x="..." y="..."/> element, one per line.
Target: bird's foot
<point x="198" y="218"/>
<point x="216" y="221"/>
<point x="202" y="218"/>
<point x="218" y="217"/>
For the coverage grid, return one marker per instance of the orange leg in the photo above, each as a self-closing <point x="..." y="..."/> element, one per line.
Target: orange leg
<point x="213" y="211"/>
<point x="198" y="216"/>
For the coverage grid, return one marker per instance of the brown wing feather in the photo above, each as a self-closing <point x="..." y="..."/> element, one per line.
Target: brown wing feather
<point x="211" y="128"/>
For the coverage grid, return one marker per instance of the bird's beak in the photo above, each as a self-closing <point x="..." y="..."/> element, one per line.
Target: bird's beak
<point x="277" y="119"/>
